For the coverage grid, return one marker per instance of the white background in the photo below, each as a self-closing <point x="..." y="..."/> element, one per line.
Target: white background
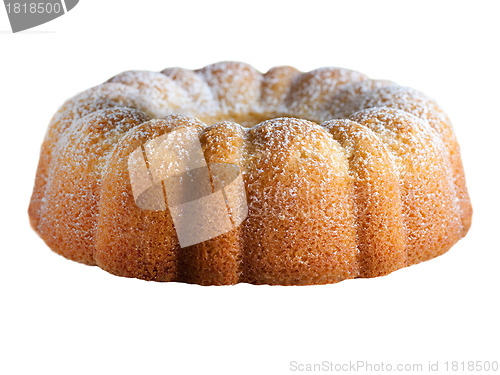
<point x="60" y="317"/>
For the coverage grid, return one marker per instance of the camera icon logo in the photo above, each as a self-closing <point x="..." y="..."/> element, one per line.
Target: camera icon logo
<point x="205" y="199"/>
<point x="25" y="14"/>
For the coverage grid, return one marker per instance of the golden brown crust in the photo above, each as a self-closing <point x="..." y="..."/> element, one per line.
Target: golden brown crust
<point x="300" y="227"/>
<point x="68" y="215"/>
<point x="131" y="241"/>
<point x="381" y="234"/>
<point x="356" y="197"/>
<point x="431" y="217"/>
<point x="218" y="260"/>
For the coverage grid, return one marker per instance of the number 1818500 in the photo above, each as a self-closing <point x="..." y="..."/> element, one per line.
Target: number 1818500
<point x="471" y="366"/>
<point x="34" y="8"/>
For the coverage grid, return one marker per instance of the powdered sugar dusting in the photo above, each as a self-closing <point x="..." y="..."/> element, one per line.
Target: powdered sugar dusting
<point x="325" y="202"/>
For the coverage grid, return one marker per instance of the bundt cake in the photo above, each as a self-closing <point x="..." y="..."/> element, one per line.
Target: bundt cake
<point x="224" y="175"/>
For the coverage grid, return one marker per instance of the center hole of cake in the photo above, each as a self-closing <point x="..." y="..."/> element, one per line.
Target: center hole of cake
<point x="246" y="120"/>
